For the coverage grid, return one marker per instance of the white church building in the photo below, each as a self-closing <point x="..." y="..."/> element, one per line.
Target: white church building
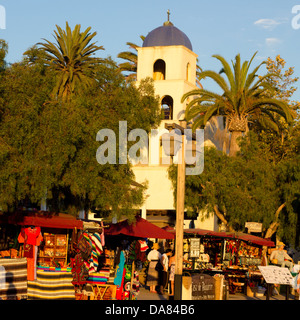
<point x="167" y="56"/>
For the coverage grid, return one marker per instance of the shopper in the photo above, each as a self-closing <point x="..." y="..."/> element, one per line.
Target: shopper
<point x="172" y="272"/>
<point x="155" y="268"/>
<point x="165" y="271"/>
<point x="298" y="285"/>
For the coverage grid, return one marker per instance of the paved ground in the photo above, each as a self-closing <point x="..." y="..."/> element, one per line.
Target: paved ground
<point x="146" y="295"/>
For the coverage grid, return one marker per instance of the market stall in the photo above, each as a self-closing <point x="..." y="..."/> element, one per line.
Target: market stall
<point x="128" y="241"/>
<point x="233" y="255"/>
<point x="41" y="240"/>
<point x="90" y="263"/>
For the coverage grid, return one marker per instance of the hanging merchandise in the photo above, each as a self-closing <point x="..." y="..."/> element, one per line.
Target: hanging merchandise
<point x="186" y="247"/>
<point x="97" y="250"/>
<point x="88" y="250"/>
<point x="120" y="269"/>
<point x="79" y="271"/>
<point x="31" y="237"/>
<point x="135" y="252"/>
<point x="102" y="238"/>
<point x="143" y="245"/>
<point x="85" y="246"/>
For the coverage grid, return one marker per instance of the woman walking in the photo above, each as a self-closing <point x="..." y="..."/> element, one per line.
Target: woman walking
<point x="155" y="268"/>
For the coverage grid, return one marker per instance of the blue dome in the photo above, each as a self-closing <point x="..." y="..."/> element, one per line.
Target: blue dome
<point x="167" y="35"/>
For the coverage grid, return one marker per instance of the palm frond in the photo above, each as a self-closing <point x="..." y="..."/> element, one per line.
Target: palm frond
<point x="71" y="56"/>
<point x="227" y="70"/>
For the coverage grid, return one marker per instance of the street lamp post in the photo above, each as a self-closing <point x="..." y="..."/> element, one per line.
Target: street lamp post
<point x="179" y="207"/>
<point x="179" y="224"/>
<point x="181" y="173"/>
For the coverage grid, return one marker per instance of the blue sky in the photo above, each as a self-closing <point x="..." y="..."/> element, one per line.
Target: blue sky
<point x="214" y="27"/>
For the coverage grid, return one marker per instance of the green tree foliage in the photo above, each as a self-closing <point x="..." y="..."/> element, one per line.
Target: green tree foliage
<point x="282" y="143"/>
<point x="247" y="188"/>
<point x="243" y="100"/>
<point x="70" y="56"/>
<point x="3" y="53"/>
<point x="48" y="147"/>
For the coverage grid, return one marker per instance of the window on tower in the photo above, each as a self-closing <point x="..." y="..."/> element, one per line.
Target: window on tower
<point x="188" y="72"/>
<point x="167" y="107"/>
<point x="159" y="70"/>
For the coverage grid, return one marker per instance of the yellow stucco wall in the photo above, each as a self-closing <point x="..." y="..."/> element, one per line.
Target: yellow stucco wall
<point x="159" y="195"/>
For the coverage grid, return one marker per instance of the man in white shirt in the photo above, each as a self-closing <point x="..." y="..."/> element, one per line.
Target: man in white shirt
<point x="280" y="257"/>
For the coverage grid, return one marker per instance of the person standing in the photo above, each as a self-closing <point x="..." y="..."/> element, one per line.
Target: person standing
<point x="298" y="285"/>
<point x="165" y="271"/>
<point x="172" y="272"/>
<point x="280" y="257"/>
<point x="154" y="256"/>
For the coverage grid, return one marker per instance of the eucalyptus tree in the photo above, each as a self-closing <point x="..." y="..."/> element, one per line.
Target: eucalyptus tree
<point x="242" y="101"/>
<point x="71" y="56"/>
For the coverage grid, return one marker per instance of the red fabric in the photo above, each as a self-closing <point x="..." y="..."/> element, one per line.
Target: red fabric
<point x="44" y="219"/>
<point x="255" y="239"/>
<point x="233" y="235"/>
<point x="28" y="250"/>
<point x="32" y="234"/>
<point x="141" y="228"/>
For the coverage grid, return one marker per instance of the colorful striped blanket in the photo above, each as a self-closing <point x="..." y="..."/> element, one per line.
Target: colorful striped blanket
<point x="54" y="269"/>
<point x="99" y="277"/>
<point x="51" y="285"/>
<point x="13" y="278"/>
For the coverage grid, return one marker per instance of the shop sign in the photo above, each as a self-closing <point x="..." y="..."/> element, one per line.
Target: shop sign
<point x="203" y="287"/>
<point x="277" y="275"/>
<point x="253" y="226"/>
<point x="195" y="248"/>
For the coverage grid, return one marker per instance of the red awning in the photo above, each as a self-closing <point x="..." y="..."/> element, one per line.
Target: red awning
<point x="141" y="228"/>
<point x="168" y="228"/>
<point x="43" y="219"/>
<point x="203" y="232"/>
<point x="254" y="239"/>
<point x="232" y="235"/>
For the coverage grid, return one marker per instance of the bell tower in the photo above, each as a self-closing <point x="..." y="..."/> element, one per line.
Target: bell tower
<point x="167" y="57"/>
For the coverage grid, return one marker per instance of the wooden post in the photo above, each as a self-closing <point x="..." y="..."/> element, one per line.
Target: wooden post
<point x="179" y="224"/>
<point x="268" y="291"/>
<point x="131" y="280"/>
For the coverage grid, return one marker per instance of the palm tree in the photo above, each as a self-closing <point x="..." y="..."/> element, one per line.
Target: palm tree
<point x="131" y="60"/>
<point x="71" y="58"/>
<point x="244" y="100"/>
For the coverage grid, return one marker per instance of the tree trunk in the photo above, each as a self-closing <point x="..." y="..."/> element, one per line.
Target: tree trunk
<point x="221" y="216"/>
<point x="275" y="224"/>
<point x="234" y="147"/>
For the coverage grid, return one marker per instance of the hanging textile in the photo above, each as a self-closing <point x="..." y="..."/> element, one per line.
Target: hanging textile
<point x="13" y="279"/>
<point x="97" y="250"/>
<point x="88" y="250"/>
<point x="120" y="268"/>
<point x="79" y="271"/>
<point x="136" y="252"/>
<point x="102" y="234"/>
<point x="143" y="245"/>
<point x="31" y="237"/>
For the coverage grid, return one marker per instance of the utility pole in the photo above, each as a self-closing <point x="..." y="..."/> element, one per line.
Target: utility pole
<point x="179" y="223"/>
<point x="179" y="206"/>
